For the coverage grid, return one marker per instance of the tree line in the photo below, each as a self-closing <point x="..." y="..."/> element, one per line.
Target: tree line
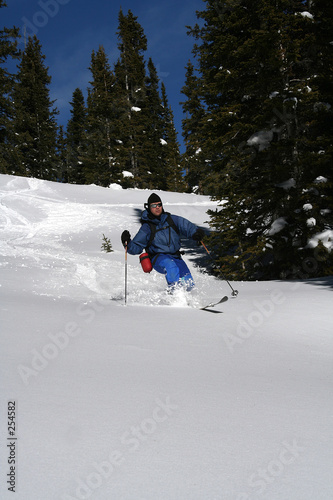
<point x="123" y="134"/>
<point x="259" y="134"/>
<point x="257" y="128"/>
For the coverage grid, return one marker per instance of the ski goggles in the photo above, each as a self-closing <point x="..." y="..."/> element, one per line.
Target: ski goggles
<point x="155" y="205"/>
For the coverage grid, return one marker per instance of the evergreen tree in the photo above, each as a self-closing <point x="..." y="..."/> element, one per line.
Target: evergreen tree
<point x="106" y="245"/>
<point x="34" y="121"/>
<point x="76" y="139"/>
<point x="8" y="49"/>
<point x="62" y="175"/>
<point x="153" y="139"/>
<point x="148" y="145"/>
<point x="193" y="159"/>
<point x="130" y="74"/>
<point x="171" y="158"/>
<point x="267" y="92"/>
<point x="100" y="164"/>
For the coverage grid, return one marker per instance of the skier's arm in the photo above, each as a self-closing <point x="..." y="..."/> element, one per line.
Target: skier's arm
<point x="187" y="228"/>
<point x="140" y="240"/>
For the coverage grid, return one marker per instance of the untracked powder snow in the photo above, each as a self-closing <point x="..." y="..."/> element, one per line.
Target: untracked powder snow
<point x="155" y="399"/>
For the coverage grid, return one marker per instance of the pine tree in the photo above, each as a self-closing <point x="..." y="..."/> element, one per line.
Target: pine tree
<point x="148" y="147"/>
<point x="106" y="245"/>
<point x="193" y="160"/>
<point x="34" y="121"/>
<point x="153" y="139"/>
<point x="171" y="158"/>
<point x="62" y="172"/>
<point x="266" y="96"/>
<point x="8" y="49"/>
<point x="100" y="164"/>
<point x="130" y="75"/>
<point x="76" y="139"/>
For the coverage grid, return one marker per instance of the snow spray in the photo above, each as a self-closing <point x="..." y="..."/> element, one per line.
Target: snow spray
<point x="145" y="263"/>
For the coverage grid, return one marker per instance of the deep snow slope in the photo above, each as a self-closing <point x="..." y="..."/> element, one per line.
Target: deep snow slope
<point x="156" y="399"/>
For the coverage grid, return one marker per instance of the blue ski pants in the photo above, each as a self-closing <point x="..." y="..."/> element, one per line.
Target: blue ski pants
<point x="175" y="270"/>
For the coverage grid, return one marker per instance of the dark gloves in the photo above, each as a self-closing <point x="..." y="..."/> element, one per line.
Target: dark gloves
<point x="125" y="238"/>
<point x="198" y="235"/>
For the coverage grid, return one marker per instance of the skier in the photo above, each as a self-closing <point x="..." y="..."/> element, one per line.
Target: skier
<point x="160" y="236"/>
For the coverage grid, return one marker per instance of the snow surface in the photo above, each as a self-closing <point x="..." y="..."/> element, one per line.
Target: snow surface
<point x="156" y="399"/>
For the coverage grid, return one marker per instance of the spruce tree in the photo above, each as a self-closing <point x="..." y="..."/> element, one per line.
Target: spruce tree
<point x="62" y="173"/>
<point x="148" y="146"/>
<point x="267" y="93"/>
<point x="130" y="75"/>
<point x="153" y="140"/>
<point x="171" y="158"/>
<point x="8" y="50"/>
<point x="100" y="164"/>
<point x="34" y="120"/>
<point x="76" y="139"/>
<point x="193" y="159"/>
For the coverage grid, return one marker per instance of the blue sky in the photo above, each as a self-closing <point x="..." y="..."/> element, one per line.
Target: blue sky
<point x="70" y="29"/>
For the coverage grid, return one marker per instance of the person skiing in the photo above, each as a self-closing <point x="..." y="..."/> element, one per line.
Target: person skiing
<point x="160" y="236"/>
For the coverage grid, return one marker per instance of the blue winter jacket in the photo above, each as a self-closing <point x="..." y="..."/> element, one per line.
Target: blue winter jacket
<point x="166" y="239"/>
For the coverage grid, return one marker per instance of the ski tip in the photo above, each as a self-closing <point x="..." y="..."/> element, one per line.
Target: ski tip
<point x="212" y="304"/>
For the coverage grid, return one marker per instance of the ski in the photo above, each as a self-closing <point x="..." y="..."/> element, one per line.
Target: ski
<point x="212" y="304"/>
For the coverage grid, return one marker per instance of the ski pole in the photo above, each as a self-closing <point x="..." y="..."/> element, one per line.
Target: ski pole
<point x="125" y="275"/>
<point x="234" y="292"/>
